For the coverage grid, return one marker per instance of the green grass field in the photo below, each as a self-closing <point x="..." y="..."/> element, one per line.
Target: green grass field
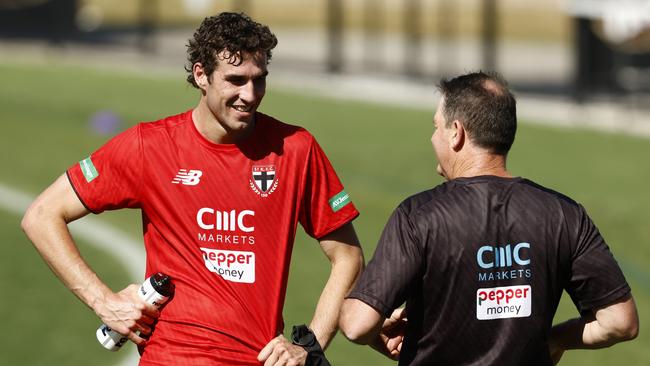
<point x="381" y="153"/>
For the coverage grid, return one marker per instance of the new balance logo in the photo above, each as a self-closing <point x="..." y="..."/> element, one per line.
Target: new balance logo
<point x="188" y="177"/>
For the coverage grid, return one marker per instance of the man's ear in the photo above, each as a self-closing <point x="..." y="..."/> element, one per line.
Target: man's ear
<point x="457" y="135"/>
<point x="200" y="77"/>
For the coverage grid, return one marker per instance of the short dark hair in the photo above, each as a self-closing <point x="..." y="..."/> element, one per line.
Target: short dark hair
<point x="485" y="106"/>
<point x="235" y="33"/>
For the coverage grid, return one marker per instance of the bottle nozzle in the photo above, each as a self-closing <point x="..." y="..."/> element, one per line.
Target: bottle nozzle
<point x="162" y="284"/>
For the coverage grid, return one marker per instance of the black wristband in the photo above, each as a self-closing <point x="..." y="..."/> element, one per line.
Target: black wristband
<point x="302" y="336"/>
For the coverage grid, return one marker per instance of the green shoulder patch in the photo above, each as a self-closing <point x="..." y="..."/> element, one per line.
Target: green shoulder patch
<point x="339" y="201"/>
<point x="88" y="168"/>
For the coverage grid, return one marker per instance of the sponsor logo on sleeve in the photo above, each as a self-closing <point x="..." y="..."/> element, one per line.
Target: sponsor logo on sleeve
<point x="503" y="302"/>
<point x="339" y="201"/>
<point x="88" y="169"/>
<point x="231" y="265"/>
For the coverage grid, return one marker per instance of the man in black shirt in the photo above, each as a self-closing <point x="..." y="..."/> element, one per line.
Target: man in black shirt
<point x="482" y="259"/>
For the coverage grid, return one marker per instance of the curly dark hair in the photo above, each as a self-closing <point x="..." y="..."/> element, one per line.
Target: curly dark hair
<point x="235" y="33"/>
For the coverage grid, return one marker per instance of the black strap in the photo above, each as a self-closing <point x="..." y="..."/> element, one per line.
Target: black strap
<point x="302" y="336"/>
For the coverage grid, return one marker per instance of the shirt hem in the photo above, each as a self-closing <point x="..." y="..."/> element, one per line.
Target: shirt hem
<point x="607" y="299"/>
<point x="373" y="302"/>
<point x="338" y="225"/>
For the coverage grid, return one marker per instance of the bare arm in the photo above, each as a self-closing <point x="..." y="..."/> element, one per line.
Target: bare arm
<point x="607" y="326"/>
<point x="359" y="321"/>
<point x="46" y="225"/>
<point x="363" y="324"/>
<point x="346" y="258"/>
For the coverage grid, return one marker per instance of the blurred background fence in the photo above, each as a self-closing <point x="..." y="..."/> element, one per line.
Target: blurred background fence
<point x="580" y="48"/>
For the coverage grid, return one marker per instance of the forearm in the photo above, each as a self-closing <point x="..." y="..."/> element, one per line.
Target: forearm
<point x="53" y="241"/>
<point x="363" y="324"/>
<point x="581" y="333"/>
<point x="609" y="325"/>
<point x="342" y="277"/>
<point x="570" y="335"/>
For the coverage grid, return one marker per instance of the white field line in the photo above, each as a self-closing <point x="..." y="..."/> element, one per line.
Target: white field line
<point x="96" y="233"/>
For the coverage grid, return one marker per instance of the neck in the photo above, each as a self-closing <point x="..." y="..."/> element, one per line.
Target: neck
<point x="210" y="128"/>
<point x="481" y="163"/>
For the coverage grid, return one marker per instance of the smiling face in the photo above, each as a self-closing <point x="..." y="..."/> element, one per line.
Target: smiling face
<point x="234" y="91"/>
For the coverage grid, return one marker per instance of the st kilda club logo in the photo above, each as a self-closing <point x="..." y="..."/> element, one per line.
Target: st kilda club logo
<point x="264" y="179"/>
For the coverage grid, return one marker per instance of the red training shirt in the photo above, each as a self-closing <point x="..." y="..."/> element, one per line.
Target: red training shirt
<point x="220" y="219"/>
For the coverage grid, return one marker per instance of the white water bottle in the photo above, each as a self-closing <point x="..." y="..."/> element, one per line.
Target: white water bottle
<point x="155" y="290"/>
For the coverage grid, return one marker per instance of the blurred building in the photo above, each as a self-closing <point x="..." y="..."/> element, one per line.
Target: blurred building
<point x="51" y="19"/>
<point x="571" y="47"/>
<point x="613" y="46"/>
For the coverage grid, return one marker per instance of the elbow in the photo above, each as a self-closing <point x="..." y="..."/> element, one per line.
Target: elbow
<point x="630" y="331"/>
<point x="624" y="330"/>
<point x="353" y="332"/>
<point x="352" y="327"/>
<point x="27" y="223"/>
<point x="618" y="322"/>
<point x="628" y="328"/>
<point x="350" y="264"/>
<point x="34" y="219"/>
<point x="622" y="334"/>
<point x="357" y="263"/>
<point x="350" y="256"/>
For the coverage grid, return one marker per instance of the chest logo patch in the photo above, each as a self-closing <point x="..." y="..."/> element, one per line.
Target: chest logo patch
<point x="264" y="179"/>
<point x="188" y="177"/>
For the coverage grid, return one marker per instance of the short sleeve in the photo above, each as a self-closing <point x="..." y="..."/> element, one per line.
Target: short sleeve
<point x="326" y="205"/>
<point x="110" y="178"/>
<point x="398" y="260"/>
<point x="596" y="279"/>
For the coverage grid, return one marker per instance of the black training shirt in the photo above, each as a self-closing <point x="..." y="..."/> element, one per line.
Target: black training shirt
<point x="481" y="263"/>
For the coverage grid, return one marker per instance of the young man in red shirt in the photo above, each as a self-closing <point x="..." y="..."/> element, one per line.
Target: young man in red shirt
<point x="221" y="188"/>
